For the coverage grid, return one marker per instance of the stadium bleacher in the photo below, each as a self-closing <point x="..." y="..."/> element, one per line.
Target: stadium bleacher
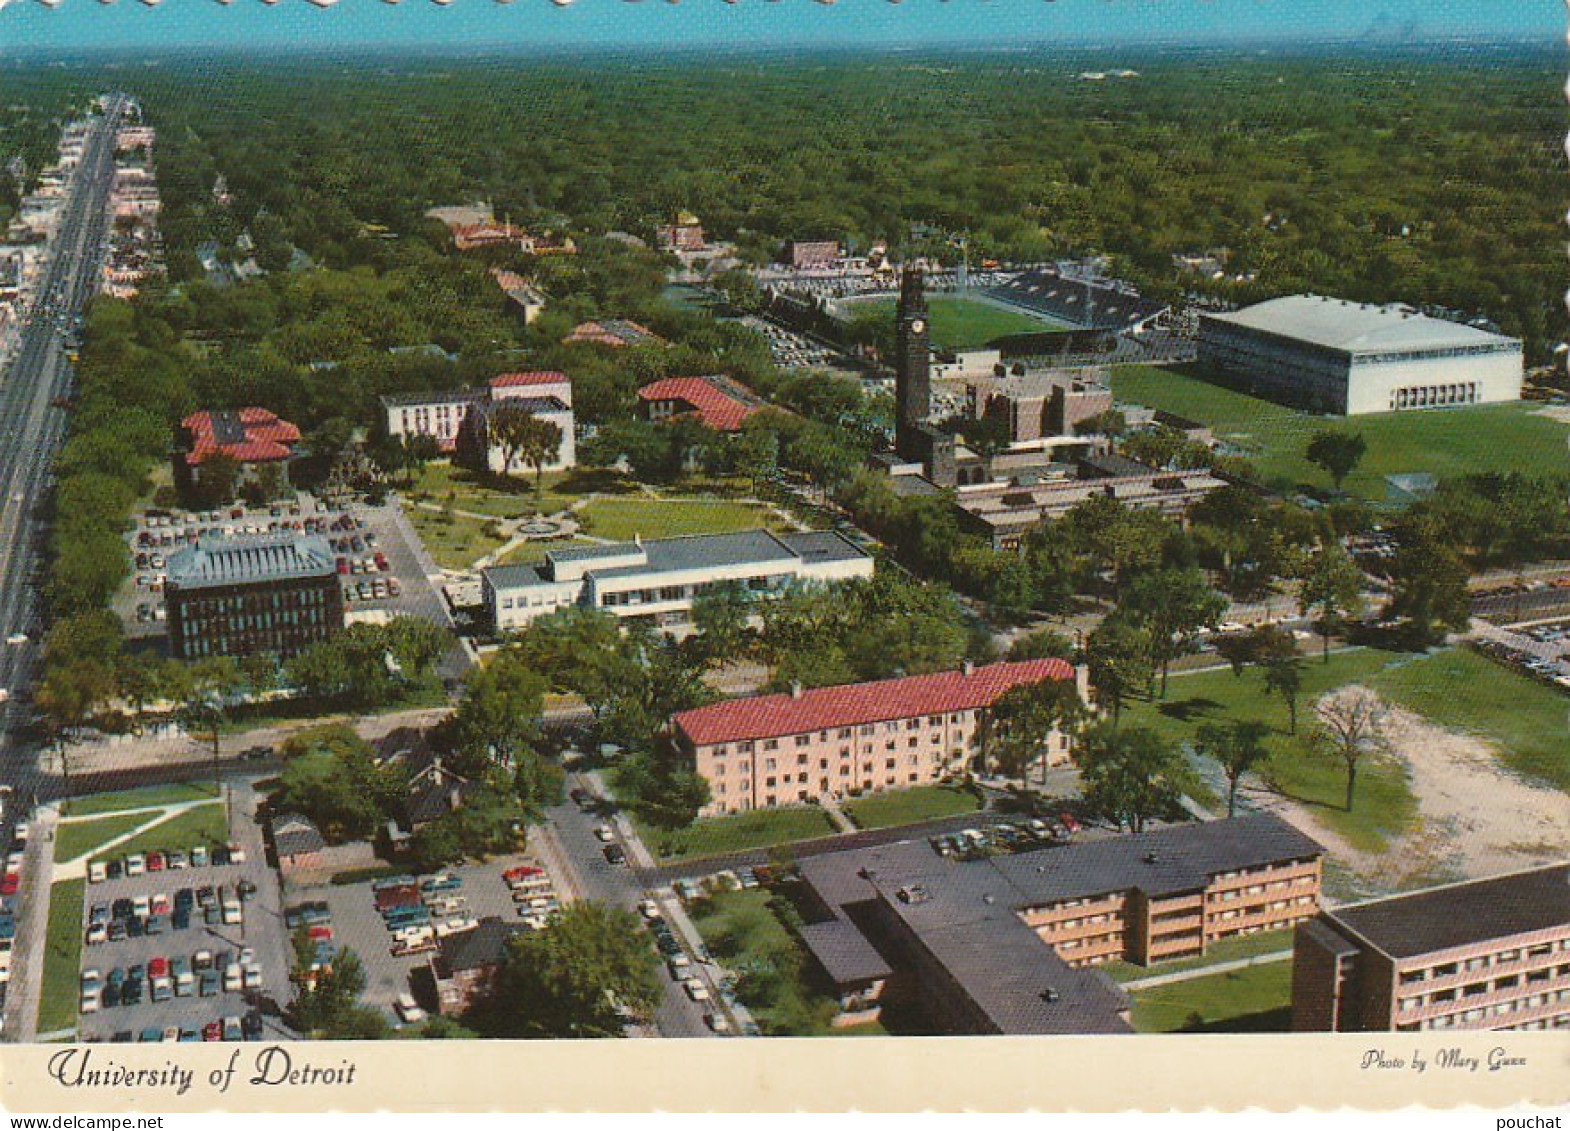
<point x="1088" y="303"/>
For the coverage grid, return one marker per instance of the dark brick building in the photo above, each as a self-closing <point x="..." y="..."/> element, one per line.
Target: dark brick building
<point x="236" y="596"/>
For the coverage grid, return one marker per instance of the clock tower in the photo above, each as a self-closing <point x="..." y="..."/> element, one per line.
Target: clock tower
<point x="912" y="367"/>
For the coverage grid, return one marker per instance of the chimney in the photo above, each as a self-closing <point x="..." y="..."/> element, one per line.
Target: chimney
<point x="968" y="667"/>
<point x="795" y="689"/>
<point x="455" y="798"/>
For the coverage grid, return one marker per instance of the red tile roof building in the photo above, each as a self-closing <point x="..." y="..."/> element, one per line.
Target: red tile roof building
<point x="719" y="402"/>
<point x="618" y="333"/>
<point x="250" y="437"/>
<point x="467" y="237"/>
<point x="862" y="737"/>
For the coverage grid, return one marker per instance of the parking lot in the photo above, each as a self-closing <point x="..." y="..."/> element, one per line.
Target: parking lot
<point x="260" y="931"/>
<point x="1541" y="651"/>
<point x="380" y="572"/>
<point x="358" y="925"/>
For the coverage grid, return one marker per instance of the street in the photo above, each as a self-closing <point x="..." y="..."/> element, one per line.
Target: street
<point x="31" y="392"/>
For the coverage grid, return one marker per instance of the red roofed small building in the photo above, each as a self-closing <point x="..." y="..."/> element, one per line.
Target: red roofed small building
<point x="618" y="333"/>
<point x="468" y="237"/>
<point x="252" y="438"/>
<point x="792" y="748"/>
<point x="719" y="402"/>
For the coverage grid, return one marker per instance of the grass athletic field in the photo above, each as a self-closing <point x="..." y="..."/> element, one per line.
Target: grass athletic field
<point x="1444" y="443"/>
<point x="962" y="323"/>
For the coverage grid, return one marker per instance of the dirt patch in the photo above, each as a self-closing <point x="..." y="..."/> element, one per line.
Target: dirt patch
<point x="1474" y="817"/>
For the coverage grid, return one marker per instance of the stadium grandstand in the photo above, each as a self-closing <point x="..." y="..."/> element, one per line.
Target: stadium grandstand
<point x="1080" y="299"/>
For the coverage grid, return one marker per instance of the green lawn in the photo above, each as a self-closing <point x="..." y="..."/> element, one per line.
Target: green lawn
<point x="960" y="323"/>
<point x="1384" y="805"/>
<point x="454" y="541"/>
<point x="135" y="799"/>
<point x="757" y="828"/>
<point x="76" y="840"/>
<point x="509" y="498"/>
<point x="206" y="824"/>
<point x="1445" y="443"/>
<point x="1226" y="950"/>
<point x="62" y="957"/>
<point x="1254" y="1000"/>
<point x="742" y="931"/>
<point x="908" y="806"/>
<point x="1527" y="721"/>
<point x="620" y="519"/>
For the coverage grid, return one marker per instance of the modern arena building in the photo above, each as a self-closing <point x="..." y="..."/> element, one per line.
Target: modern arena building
<point x="1331" y="355"/>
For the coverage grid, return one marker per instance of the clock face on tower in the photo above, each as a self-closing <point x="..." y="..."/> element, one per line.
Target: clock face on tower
<point x="918" y="326"/>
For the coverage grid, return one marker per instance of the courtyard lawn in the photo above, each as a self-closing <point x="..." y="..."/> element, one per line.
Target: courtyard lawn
<point x="909" y="806"/>
<point x="715" y="836"/>
<point x="462" y="489"/>
<point x="742" y="931"/>
<point x="1384" y="807"/>
<point x="1257" y="999"/>
<point x="136" y="799"/>
<point x="205" y="824"/>
<point x="79" y="839"/>
<point x="1445" y="442"/>
<point x="962" y="323"/>
<point x="620" y="519"/>
<point x="454" y="541"/>
<point x="1224" y="950"/>
<point x="1463" y="691"/>
<point x="62" y="957"/>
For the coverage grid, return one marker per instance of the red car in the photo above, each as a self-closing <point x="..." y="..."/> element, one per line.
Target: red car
<point x="404" y="895"/>
<point x="157" y="967"/>
<point x="522" y="872"/>
<point x="1068" y="822"/>
<point x="213" y="1031"/>
<point x="12" y="881"/>
<point x="155" y="861"/>
<point x="321" y="934"/>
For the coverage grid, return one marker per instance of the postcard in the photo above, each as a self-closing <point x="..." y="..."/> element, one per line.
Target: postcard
<point x="675" y="550"/>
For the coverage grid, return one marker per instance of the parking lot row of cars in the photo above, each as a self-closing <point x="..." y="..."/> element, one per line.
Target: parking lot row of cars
<point x="242" y="1027"/>
<point x="1549" y="671"/>
<point x="970" y="844"/>
<point x="417" y="913"/>
<point x="533" y="893"/>
<point x="134" y="917"/>
<point x="10" y="906"/>
<point x="141" y="863"/>
<point x="204" y="973"/>
<point x="679" y="964"/>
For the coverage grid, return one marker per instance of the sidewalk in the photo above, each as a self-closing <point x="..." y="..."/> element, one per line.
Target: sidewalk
<point x="1205" y="971"/>
<point x="30" y="944"/>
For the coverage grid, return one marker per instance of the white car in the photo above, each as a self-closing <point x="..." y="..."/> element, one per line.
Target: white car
<point x="717" y="1022"/>
<point x="234" y="979"/>
<point x="695" y="988"/>
<point x="96" y="872"/>
<point x="649" y="909"/>
<point x="17" y="638"/>
<point x="135" y="865"/>
<point x="5" y="694"/>
<point x="605" y="834"/>
<point x="408" y="1010"/>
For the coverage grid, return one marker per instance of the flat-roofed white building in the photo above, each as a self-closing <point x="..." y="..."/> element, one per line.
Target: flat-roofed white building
<point x="655" y="582"/>
<point x="1331" y="355"/>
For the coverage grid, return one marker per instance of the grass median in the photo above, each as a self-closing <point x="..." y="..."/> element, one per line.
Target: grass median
<point x="1254" y="1000"/>
<point x="911" y="806"/>
<point x="738" y="832"/>
<point x="62" y="957"/>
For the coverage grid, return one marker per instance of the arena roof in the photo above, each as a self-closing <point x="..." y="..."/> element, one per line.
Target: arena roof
<point x="1352" y="327"/>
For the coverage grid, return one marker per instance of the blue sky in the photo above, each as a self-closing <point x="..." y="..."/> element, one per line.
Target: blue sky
<point x="539" y="24"/>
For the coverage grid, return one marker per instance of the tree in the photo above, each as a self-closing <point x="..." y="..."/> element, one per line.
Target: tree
<point x="1284" y="677"/>
<point x="326" y="1000"/>
<point x="1331" y="590"/>
<point x="330" y="777"/>
<point x="1173" y="604"/>
<point x="1349" y="726"/>
<point x="497" y="716"/>
<point x="570" y="979"/>
<point x="585" y="652"/>
<point x="524" y="437"/>
<point x="1018" y="730"/>
<point x="1238" y="747"/>
<point x="722" y="620"/>
<point x="1427" y="580"/>
<point x="755" y="453"/>
<point x="1131" y="775"/>
<point x="1118" y="653"/>
<point x="1043" y="644"/>
<point x="1338" y="453"/>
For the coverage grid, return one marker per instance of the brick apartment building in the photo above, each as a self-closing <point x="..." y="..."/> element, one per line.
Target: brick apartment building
<point x="791" y="748"/>
<point x="236" y="596"/>
<point x="1009" y="944"/>
<point x="1486" y="954"/>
